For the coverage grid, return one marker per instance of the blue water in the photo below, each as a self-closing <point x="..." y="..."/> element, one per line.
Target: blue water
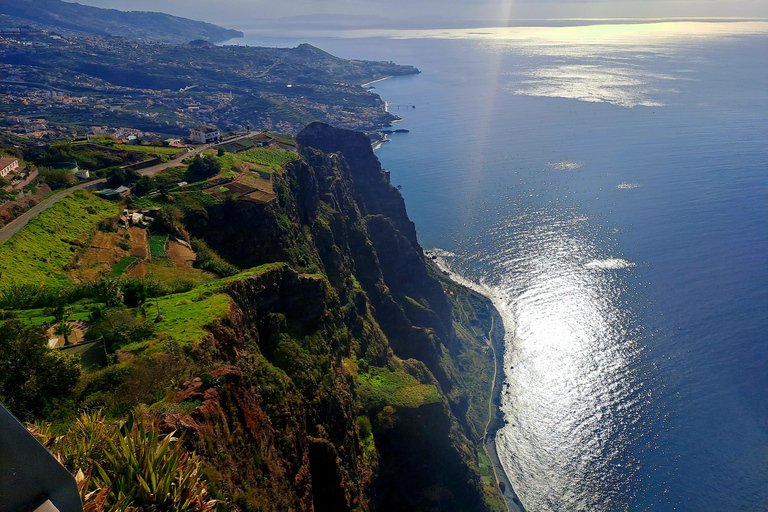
<point x="612" y="188"/>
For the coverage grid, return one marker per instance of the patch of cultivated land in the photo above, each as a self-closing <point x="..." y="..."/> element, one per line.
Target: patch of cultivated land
<point x="39" y="253"/>
<point x="181" y="255"/>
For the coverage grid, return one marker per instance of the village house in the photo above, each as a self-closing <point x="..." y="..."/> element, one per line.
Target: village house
<point x="7" y="166"/>
<point x="136" y="218"/>
<point x="118" y="193"/>
<point x="204" y="134"/>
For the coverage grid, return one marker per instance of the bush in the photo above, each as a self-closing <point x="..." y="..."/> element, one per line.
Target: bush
<point x="128" y="466"/>
<point x="207" y="259"/>
<point x="203" y="167"/>
<point x="117" y="176"/>
<point x="32" y="377"/>
<point x="57" y="178"/>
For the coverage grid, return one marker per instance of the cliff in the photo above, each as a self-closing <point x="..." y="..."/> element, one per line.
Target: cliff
<point x="343" y="372"/>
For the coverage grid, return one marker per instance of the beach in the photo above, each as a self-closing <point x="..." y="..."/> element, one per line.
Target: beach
<point x="496" y="338"/>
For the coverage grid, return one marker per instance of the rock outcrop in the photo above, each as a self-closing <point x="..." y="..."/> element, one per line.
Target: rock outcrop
<point x="334" y="382"/>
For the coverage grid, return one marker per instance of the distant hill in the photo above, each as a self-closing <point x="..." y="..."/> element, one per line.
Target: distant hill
<point x="68" y="18"/>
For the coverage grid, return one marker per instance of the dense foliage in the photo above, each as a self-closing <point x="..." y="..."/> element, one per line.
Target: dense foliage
<point x="32" y="377"/>
<point x="204" y="166"/>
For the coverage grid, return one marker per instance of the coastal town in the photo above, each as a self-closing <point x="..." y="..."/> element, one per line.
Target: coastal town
<point x="52" y="86"/>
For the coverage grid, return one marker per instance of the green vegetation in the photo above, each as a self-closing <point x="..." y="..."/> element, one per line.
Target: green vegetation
<point x="186" y="314"/>
<point x="205" y="166"/>
<point x="207" y="259"/>
<point x="155" y="150"/>
<point x="57" y="178"/>
<point x="268" y="157"/>
<point x="123" y="264"/>
<point x="32" y="377"/>
<point x="157" y="246"/>
<point x="230" y="163"/>
<point x="88" y="156"/>
<point x="128" y="463"/>
<point x="40" y="252"/>
<point x="381" y="387"/>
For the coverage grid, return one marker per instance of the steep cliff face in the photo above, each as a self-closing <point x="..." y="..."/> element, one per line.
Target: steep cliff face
<point x="338" y="380"/>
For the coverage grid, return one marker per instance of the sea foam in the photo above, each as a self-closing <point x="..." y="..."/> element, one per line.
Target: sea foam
<point x="610" y="264"/>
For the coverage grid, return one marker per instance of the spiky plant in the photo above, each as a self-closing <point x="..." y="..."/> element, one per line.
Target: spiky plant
<point x="128" y="466"/>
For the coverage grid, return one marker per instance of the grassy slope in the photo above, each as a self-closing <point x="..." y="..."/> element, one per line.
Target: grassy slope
<point x="38" y="253"/>
<point x="273" y="158"/>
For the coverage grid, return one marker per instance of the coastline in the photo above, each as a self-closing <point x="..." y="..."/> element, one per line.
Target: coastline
<point x="366" y="84"/>
<point x="496" y="340"/>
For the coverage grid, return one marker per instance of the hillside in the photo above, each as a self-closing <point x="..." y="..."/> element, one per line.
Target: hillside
<point x="54" y="87"/>
<point x="329" y="370"/>
<point x="75" y="19"/>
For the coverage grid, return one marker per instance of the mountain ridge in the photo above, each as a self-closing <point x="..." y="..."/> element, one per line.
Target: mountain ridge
<point x="78" y="19"/>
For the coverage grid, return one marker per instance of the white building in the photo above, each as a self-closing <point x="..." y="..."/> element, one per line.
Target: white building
<point x="204" y="134"/>
<point x="7" y="166"/>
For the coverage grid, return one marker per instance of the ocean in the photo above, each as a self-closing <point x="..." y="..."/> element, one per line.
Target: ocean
<point x="609" y="183"/>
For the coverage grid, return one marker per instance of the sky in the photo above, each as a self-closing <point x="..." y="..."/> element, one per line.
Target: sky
<point x="434" y="13"/>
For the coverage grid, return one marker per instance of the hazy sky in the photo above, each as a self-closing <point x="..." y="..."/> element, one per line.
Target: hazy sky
<point x="238" y="13"/>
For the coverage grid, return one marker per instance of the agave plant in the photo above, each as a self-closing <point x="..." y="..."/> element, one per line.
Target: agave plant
<point x="129" y="466"/>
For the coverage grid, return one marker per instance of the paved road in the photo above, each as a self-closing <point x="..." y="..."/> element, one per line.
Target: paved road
<point x="14" y="226"/>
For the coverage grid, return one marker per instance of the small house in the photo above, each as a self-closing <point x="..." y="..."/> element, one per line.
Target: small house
<point x="117" y="193"/>
<point x="7" y="166"/>
<point x="205" y="134"/>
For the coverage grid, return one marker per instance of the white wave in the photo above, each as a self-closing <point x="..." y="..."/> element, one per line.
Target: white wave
<point x="440" y="253"/>
<point x="627" y="186"/>
<point x="565" y="165"/>
<point x="610" y="264"/>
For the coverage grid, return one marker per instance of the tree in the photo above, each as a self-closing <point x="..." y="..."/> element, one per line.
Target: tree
<point x="64" y="329"/>
<point x="204" y="166"/>
<point x="142" y="187"/>
<point x="135" y="293"/>
<point x="32" y="376"/>
<point x="117" y="176"/>
<point x="110" y="292"/>
<point x="57" y="178"/>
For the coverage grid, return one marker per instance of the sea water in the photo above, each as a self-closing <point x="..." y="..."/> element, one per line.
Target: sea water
<point x="610" y="183"/>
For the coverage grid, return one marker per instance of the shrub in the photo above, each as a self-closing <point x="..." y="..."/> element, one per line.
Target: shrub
<point x="207" y="259"/>
<point x="57" y="178"/>
<point x="32" y="377"/>
<point x="128" y="466"/>
<point x="205" y="166"/>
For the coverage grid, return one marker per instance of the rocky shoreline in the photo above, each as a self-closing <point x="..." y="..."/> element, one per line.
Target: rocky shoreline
<point x="497" y="337"/>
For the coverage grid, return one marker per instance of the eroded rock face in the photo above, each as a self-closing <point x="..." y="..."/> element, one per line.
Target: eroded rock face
<point x="375" y="195"/>
<point x="279" y="415"/>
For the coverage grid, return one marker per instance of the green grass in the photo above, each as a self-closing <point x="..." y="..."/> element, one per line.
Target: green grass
<point x="157" y="246"/>
<point x="140" y="203"/>
<point x="272" y="158"/>
<point x="169" y="177"/>
<point x="194" y="199"/>
<point x="38" y="317"/>
<point x="39" y="252"/>
<point x="380" y="387"/>
<point x="159" y="150"/>
<point x="122" y="265"/>
<point x="185" y="314"/>
<point x="230" y="163"/>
